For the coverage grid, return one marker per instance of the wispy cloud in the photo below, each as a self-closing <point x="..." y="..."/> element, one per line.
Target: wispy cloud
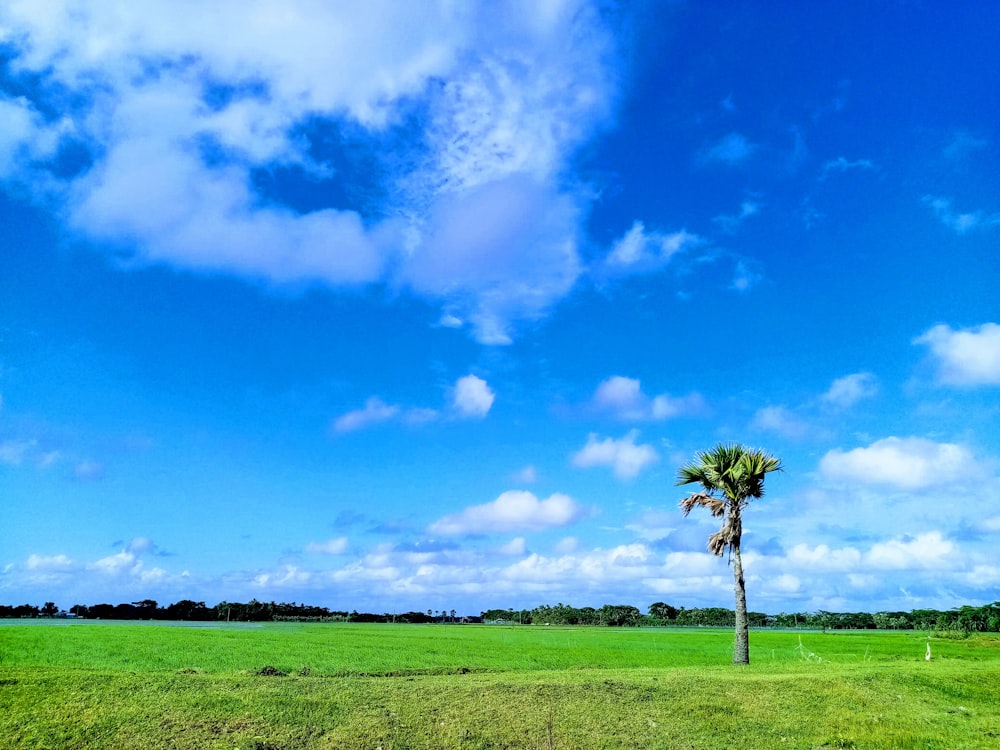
<point x="964" y="144"/>
<point x="642" y="251"/>
<point x="731" y="222"/>
<point x="960" y="222"/>
<point x="841" y="164"/>
<point x="373" y="412"/>
<point x="746" y="275"/>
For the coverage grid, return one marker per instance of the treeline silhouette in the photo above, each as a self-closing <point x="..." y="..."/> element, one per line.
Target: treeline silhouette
<point x="187" y="610"/>
<point x="967" y="619"/>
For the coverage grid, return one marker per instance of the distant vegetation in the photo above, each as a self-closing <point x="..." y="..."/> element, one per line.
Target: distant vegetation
<point x="969" y="619"/>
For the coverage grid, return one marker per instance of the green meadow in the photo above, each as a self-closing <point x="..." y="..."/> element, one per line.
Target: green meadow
<point x="283" y="686"/>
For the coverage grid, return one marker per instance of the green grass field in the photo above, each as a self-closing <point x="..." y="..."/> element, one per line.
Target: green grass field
<point x="284" y="686"/>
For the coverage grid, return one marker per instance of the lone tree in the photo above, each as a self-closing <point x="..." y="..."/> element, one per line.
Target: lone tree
<point x="731" y="475"/>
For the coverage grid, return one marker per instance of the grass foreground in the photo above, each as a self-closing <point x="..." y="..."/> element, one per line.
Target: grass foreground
<point x="286" y="686"/>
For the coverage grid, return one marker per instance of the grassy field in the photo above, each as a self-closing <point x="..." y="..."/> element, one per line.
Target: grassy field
<point x="285" y="686"/>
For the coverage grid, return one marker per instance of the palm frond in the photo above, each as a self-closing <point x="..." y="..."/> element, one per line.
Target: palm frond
<point x="715" y="506"/>
<point x="718" y="542"/>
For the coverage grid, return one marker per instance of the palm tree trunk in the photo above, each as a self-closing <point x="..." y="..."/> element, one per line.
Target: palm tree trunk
<point x="741" y="645"/>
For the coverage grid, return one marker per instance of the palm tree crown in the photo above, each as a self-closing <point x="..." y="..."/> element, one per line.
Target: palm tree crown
<point x="732" y="475"/>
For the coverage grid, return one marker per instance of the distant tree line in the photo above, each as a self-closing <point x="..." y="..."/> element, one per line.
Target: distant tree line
<point x="191" y="611"/>
<point x="967" y="619"/>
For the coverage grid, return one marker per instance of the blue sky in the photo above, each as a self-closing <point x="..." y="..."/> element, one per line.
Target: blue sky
<point x="398" y="306"/>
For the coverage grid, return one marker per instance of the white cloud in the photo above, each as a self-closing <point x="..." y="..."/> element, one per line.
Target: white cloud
<point x="622" y="563"/>
<point x="473" y="397"/>
<point x="621" y="394"/>
<point x="375" y="410"/>
<point x="284" y="577"/>
<point x="141" y="545"/>
<point x="120" y="561"/>
<point x="514" y="510"/>
<point x="127" y="566"/>
<point x="181" y="118"/>
<point x="823" y="558"/>
<point x="929" y="550"/>
<point x="960" y="222"/>
<point x="48" y="562"/>
<point x="846" y="391"/>
<point x="904" y="463"/>
<point x="623" y="397"/>
<point x="336" y="546"/>
<point x="623" y="455"/>
<point x="967" y="357"/>
<point x="641" y="251"/>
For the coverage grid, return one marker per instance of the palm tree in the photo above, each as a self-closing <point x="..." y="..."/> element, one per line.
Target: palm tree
<point x="731" y="475"/>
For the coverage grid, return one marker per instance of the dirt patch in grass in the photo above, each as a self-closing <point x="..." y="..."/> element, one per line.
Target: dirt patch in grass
<point x="270" y="671"/>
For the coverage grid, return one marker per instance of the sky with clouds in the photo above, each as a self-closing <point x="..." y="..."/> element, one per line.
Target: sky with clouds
<point x="395" y="306"/>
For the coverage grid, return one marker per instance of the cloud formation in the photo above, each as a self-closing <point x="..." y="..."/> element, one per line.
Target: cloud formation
<point x="514" y="510"/>
<point x="841" y="164"/>
<point x="643" y="251"/>
<point x="184" y="124"/>
<point x="846" y="391"/>
<point x="473" y="397"/>
<point x="336" y="546"/>
<point x="966" y="357"/>
<point x="960" y="222"/>
<point x="623" y="398"/>
<point x="731" y="222"/>
<point x="624" y="456"/>
<point x="373" y="412"/>
<point x="903" y="463"/>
